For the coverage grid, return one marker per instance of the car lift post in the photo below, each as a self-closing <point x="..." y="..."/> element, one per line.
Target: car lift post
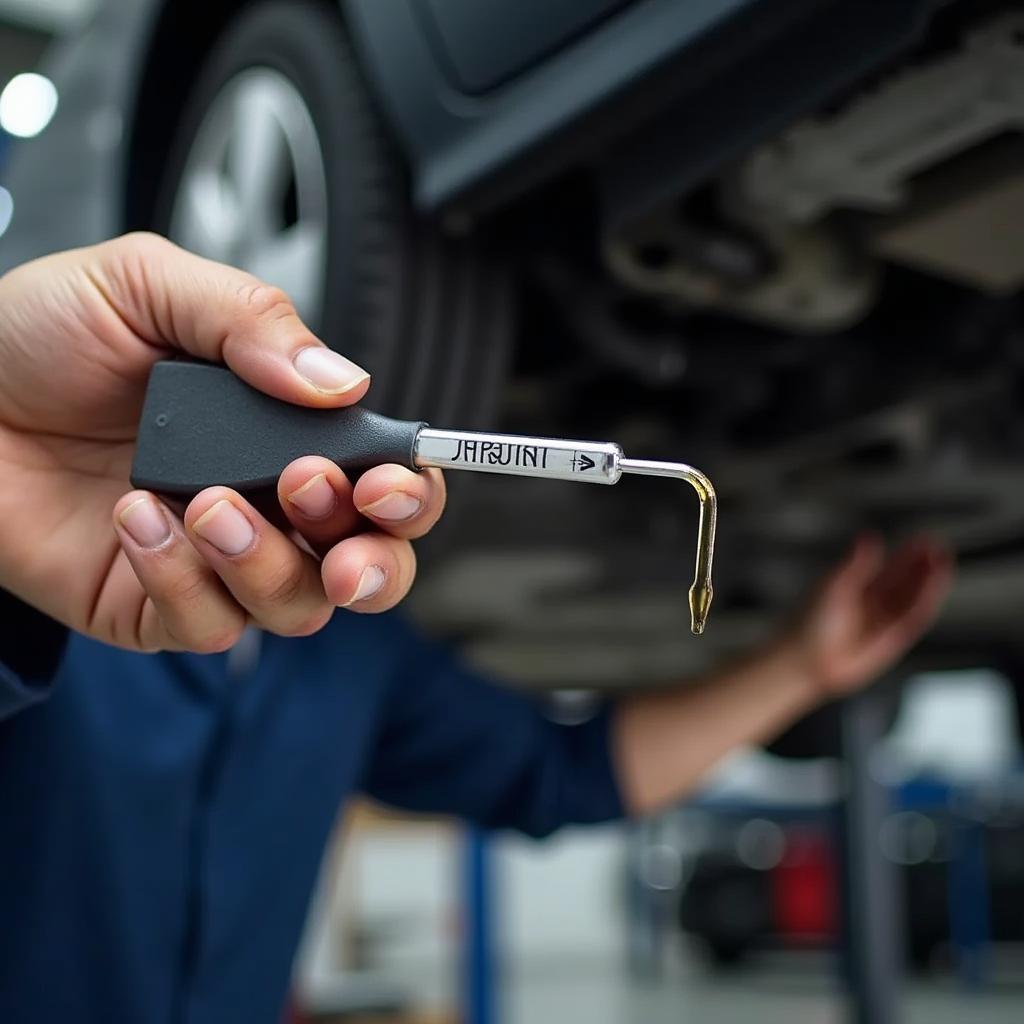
<point x="479" y="947"/>
<point x="873" y="921"/>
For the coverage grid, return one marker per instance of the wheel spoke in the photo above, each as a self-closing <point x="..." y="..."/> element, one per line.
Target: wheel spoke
<point x="206" y="218"/>
<point x="259" y="158"/>
<point x="294" y="260"/>
<point x="233" y="202"/>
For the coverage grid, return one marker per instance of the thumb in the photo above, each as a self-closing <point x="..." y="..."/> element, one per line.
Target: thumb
<point x="175" y="300"/>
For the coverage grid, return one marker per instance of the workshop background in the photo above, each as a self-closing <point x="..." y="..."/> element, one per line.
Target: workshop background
<point x="730" y="908"/>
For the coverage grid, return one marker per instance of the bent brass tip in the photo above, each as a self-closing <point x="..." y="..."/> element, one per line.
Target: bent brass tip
<point x="701" y="592"/>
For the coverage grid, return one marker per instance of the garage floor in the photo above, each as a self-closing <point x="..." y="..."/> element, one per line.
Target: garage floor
<point x="782" y="991"/>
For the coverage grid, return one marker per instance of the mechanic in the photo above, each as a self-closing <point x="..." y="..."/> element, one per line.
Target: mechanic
<point x="165" y="813"/>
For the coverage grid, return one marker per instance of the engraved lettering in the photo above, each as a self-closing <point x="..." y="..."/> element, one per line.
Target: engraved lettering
<point x="498" y="453"/>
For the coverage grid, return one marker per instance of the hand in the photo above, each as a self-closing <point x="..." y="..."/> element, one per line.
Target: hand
<point x="869" y="612"/>
<point x="79" y="333"/>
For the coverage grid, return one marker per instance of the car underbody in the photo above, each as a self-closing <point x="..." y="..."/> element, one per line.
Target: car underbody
<point x="829" y="327"/>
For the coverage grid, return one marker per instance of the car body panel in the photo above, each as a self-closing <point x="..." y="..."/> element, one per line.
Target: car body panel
<point x="456" y="143"/>
<point x="487" y="42"/>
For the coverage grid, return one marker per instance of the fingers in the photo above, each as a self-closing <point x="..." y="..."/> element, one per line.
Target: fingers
<point x="860" y="565"/>
<point x="904" y="599"/>
<point x="373" y="571"/>
<point x="225" y="566"/>
<point x="369" y="573"/>
<point x="188" y="606"/>
<point x="323" y="506"/>
<point x="404" y="503"/>
<point x="316" y="496"/>
<point x="283" y="588"/>
<point x="273" y="580"/>
<point x="174" y="299"/>
<point x="895" y="635"/>
<point x="909" y="590"/>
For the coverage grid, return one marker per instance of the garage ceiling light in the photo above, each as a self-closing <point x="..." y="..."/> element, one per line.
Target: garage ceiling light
<point x="27" y="105"/>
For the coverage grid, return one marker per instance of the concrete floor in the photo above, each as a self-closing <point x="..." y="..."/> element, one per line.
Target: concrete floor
<point x="775" y="992"/>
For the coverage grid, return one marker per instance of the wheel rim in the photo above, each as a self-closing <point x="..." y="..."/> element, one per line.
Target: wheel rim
<point x="253" y="192"/>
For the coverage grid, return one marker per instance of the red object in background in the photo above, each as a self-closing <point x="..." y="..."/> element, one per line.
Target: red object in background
<point x="804" y="889"/>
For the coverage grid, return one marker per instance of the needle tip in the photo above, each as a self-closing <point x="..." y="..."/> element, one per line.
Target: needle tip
<point x="700" y="605"/>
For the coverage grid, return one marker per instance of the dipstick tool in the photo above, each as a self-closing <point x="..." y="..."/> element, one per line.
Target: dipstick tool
<point x="202" y="426"/>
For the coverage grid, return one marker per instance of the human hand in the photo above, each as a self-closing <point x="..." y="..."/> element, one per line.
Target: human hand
<point x="869" y="612"/>
<point x="79" y="333"/>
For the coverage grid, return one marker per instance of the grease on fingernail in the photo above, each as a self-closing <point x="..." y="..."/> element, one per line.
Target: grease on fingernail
<point x="371" y="581"/>
<point x="145" y="523"/>
<point x="226" y="528"/>
<point x="316" y="498"/>
<point x="395" y="507"/>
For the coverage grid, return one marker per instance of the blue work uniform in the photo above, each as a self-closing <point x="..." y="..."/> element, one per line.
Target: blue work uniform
<point x="163" y="818"/>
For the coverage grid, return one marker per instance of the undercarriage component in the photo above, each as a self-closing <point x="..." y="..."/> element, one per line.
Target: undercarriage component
<point x="818" y="283"/>
<point x="926" y="169"/>
<point x="963" y="221"/>
<point x="866" y="156"/>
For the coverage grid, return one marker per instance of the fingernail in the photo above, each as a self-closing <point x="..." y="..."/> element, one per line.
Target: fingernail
<point x="316" y="498"/>
<point x="226" y="528"/>
<point x="329" y="371"/>
<point x="370" y="582"/>
<point x="394" y="507"/>
<point x="145" y="523"/>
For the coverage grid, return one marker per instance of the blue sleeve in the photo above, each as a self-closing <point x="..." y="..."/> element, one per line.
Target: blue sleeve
<point x="452" y="743"/>
<point x="31" y="649"/>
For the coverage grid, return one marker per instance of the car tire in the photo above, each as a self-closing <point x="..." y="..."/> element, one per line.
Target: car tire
<point x="429" y="316"/>
<point x="726" y="956"/>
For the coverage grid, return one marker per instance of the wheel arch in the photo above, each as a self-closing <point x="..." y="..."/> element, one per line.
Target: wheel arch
<point x="182" y="35"/>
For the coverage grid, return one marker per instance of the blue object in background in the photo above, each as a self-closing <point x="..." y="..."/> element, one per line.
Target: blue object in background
<point x="169" y="812"/>
<point x="970" y="916"/>
<point x="480" y="969"/>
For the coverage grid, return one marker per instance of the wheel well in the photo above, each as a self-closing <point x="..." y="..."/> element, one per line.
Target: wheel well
<point x="183" y="34"/>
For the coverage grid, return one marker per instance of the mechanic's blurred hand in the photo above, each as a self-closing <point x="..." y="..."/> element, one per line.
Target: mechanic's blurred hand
<point x="870" y="611"/>
<point x="79" y="332"/>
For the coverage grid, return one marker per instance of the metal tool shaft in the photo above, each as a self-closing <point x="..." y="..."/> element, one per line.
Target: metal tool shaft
<point x="556" y="459"/>
<point x="580" y="461"/>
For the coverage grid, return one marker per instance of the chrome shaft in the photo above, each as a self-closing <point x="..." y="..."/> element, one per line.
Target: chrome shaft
<point x="583" y="461"/>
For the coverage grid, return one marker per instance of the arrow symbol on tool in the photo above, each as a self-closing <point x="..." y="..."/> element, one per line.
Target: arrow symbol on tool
<point x="583" y="462"/>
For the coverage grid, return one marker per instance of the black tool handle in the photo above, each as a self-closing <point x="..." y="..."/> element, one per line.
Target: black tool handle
<point x="201" y="425"/>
